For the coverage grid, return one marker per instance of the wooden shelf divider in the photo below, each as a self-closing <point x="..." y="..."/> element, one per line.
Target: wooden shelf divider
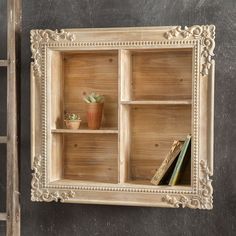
<point x="86" y="131"/>
<point x="159" y="102"/>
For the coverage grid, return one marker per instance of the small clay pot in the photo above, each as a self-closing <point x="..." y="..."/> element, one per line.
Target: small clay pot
<point x="72" y="124"/>
<point x="94" y="115"/>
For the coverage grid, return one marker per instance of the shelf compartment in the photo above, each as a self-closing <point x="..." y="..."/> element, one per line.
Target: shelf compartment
<point x="156" y="74"/>
<point x="159" y="102"/>
<point x="77" y="73"/>
<point x="85" y="157"/>
<point x="86" y="131"/>
<point x="153" y="130"/>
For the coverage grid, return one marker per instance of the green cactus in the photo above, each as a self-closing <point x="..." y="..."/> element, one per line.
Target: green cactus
<point x="94" y="98"/>
<point x="71" y="116"/>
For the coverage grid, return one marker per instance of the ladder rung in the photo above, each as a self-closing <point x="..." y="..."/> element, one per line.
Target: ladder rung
<point x="3" y="216"/>
<point x="4" y="62"/>
<point x="3" y="139"/>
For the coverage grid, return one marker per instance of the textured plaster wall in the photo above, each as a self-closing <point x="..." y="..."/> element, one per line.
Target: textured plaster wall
<point x="42" y="219"/>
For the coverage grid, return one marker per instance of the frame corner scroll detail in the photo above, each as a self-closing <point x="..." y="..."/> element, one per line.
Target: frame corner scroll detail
<point x="202" y="200"/>
<point x="206" y="34"/>
<point x="37" y="37"/>
<point x="40" y="194"/>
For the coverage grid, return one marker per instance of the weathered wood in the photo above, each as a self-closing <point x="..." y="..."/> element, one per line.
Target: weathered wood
<point x="3" y="139"/>
<point x="13" y="30"/>
<point x="87" y="131"/>
<point x="4" y="63"/>
<point x="158" y="102"/>
<point x="151" y="80"/>
<point x="91" y="157"/>
<point x="91" y="72"/>
<point x="3" y="216"/>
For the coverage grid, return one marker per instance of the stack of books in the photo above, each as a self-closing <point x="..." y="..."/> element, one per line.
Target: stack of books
<point x="176" y="167"/>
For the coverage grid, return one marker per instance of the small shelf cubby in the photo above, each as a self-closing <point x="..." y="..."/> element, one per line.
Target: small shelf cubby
<point x="84" y="157"/>
<point x="75" y="74"/>
<point x="158" y="85"/>
<point x="158" y="75"/>
<point x="153" y="130"/>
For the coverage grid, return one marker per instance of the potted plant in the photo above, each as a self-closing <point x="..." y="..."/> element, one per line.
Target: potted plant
<point x="72" y="120"/>
<point x="95" y="108"/>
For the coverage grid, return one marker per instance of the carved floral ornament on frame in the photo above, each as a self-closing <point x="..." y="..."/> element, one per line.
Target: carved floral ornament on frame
<point x="202" y="198"/>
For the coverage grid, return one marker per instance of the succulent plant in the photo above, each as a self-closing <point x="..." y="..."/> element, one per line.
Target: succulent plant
<point x="71" y="116"/>
<point x="94" y="98"/>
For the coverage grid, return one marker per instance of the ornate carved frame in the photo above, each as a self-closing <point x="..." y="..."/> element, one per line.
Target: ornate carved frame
<point x="201" y="40"/>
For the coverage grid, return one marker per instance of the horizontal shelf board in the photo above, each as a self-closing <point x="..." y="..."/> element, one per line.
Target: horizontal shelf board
<point x="3" y="63"/>
<point x="86" y="131"/>
<point x="130" y="184"/>
<point x="3" y="139"/>
<point x="159" y="102"/>
<point x="147" y="183"/>
<point x="82" y="182"/>
<point x="3" y="216"/>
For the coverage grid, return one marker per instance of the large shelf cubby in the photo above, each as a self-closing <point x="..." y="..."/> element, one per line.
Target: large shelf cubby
<point x="150" y="90"/>
<point x="158" y="84"/>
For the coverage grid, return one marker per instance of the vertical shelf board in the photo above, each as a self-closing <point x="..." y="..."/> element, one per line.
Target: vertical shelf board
<point x="154" y="128"/>
<point x="55" y="88"/>
<point x="162" y="74"/>
<point x="124" y="113"/>
<point x="91" y="157"/>
<point x="55" y="163"/>
<point x="125" y="141"/>
<point x="91" y="71"/>
<point x="125" y="75"/>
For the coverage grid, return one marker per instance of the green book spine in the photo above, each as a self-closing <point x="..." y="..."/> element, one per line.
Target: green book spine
<point x="175" y="174"/>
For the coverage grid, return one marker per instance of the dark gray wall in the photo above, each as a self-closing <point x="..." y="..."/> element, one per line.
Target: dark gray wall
<point x="66" y="219"/>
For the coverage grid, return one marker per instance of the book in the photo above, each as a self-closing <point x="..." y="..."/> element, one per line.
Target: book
<point x="185" y="170"/>
<point x="167" y="162"/>
<point x="166" y="178"/>
<point x="176" y="173"/>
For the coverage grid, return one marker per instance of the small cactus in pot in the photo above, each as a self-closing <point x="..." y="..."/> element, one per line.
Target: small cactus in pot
<point x="95" y="108"/>
<point x="72" y="120"/>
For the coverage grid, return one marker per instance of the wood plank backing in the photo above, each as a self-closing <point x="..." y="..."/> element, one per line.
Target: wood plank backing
<point x="91" y="157"/>
<point x="92" y="72"/>
<point x="154" y="128"/>
<point x="163" y="74"/>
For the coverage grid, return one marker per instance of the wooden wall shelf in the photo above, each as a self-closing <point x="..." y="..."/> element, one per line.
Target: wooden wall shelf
<point x="86" y="131"/>
<point x="160" y="102"/>
<point x="158" y="87"/>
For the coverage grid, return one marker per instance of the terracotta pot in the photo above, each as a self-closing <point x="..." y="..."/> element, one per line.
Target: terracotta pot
<point x="94" y="115"/>
<point x="72" y="124"/>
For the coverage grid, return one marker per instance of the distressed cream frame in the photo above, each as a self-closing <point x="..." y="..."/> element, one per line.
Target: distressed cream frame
<point x="201" y="40"/>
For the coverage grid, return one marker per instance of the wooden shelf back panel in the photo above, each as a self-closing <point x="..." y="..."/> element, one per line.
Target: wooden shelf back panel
<point x="92" y="72"/>
<point x="91" y="157"/>
<point x="153" y="130"/>
<point x="162" y="74"/>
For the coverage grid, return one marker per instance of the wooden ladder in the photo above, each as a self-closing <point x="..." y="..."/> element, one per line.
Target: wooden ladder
<point x="12" y="214"/>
